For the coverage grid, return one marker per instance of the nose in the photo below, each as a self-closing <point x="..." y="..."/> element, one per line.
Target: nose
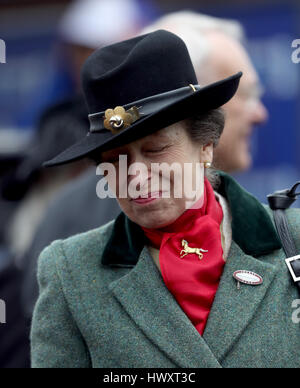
<point x="260" y="113"/>
<point x="139" y="170"/>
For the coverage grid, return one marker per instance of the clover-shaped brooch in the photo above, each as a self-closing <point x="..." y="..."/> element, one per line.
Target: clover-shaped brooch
<point x="118" y="119"/>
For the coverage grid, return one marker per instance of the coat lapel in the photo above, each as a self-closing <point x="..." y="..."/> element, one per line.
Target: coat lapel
<point x="148" y="302"/>
<point x="233" y="309"/>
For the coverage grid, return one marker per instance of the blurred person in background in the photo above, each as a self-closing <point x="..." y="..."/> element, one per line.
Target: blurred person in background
<point x="9" y="162"/>
<point x="31" y="188"/>
<point x="89" y="24"/>
<point x="14" y="342"/>
<point x="216" y="47"/>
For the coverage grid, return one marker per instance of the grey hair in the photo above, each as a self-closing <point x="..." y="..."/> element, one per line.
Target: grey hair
<point x="204" y="129"/>
<point x="193" y="27"/>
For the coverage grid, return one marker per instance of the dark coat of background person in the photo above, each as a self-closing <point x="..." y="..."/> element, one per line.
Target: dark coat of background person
<point x="77" y="209"/>
<point x="14" y="345"/>
<point x="8" y="166"/>
<point x="14" y="341"/>
<point x="59" y="127"/>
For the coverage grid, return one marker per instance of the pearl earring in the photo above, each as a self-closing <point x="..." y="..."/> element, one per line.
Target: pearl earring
<point x="207" y="164"/>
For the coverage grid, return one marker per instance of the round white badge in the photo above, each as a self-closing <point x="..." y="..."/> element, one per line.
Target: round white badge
<point x="248" y="277"/>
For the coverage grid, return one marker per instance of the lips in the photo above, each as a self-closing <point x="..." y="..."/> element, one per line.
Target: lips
<point x="147" y="197"/>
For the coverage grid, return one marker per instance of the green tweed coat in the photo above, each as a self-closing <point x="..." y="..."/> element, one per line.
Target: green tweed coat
<point x="103" y="302"/>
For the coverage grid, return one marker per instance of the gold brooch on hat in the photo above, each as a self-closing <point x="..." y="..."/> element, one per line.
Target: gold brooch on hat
<point x="118" y="119"/>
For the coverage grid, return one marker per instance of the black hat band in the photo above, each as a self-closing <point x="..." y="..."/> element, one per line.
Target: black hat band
<point x="122" y="117"/>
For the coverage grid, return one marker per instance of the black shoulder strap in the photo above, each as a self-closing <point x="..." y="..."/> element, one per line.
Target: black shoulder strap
<point x="279" y="202"/>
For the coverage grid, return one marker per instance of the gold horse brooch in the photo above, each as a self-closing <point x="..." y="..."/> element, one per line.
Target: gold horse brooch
<point x="186" y="250"/>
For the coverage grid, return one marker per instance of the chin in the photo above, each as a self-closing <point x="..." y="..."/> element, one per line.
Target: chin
<point x="155" y="219"/>
<point x="153" y="216"/>
<point x="156" y="222"/>
<point x="239" y="161"/>
<point x="244" y="163"/>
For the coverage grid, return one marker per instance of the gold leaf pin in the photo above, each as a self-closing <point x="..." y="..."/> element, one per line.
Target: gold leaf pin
<point x="118" y="119"/>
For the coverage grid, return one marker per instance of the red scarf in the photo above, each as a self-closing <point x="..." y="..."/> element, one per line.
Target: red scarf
<point x="193" y="282"/>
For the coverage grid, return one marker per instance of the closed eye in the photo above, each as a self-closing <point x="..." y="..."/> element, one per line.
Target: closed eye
<point x="156" y="150"/>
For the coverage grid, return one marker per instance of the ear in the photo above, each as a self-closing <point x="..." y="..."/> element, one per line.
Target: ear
<point x="206" y="153"/>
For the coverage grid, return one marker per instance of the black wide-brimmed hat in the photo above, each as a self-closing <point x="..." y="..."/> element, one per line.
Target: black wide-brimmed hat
<point x="138" y="86"/>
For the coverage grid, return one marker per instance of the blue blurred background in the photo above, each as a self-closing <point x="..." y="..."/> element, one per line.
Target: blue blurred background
<point x="36" y="75"/>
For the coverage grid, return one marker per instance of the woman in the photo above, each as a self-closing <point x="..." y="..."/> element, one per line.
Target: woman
<point x="155" y="288"/>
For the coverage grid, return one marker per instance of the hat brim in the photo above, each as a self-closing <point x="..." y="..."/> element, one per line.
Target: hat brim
<point x="209" y="97"/>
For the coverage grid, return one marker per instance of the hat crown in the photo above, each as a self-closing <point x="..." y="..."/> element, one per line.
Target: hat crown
<point x="135" y="69"/>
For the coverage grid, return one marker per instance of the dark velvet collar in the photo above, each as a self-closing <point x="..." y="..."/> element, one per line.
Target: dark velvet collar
<point x="252" y="228"/>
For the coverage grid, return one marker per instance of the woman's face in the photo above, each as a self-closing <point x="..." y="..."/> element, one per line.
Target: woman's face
<point x="151" y="190"/>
